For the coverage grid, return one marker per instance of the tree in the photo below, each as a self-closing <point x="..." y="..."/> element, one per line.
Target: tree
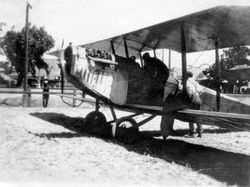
<point x="13" y="45"/>
<point x="1" y="38"/>
<point x="230" y="58"/>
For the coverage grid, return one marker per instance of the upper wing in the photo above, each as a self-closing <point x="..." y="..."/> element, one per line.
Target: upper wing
<point x="231" y="24"/>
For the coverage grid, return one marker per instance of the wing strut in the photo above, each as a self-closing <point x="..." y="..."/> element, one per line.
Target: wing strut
<point x="169" y="58"/>
<point x="184" y="58"/>
<point x="112" y="47"/>
<point x="126" y="48"/>
<point x="154" y="49"/>
<point x="154" y="53"/>
<point x="218" y="77"/>
<point x="142" y="65"/>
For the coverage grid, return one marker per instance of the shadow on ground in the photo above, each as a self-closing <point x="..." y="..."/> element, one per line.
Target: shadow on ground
<point x="183" y="132"/>
<point x="228" y="167"/>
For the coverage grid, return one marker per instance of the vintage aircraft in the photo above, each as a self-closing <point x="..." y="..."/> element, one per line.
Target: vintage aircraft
<point x="105" y="71"/>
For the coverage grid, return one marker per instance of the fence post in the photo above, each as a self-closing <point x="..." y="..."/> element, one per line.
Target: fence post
<point x="29" y="96"/>
<point x="26" y="97"/>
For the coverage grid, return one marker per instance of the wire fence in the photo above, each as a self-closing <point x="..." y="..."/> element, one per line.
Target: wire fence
<point x="72" y="93"/>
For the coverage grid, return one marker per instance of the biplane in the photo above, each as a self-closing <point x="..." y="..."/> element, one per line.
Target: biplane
<point x="105" y="71"/>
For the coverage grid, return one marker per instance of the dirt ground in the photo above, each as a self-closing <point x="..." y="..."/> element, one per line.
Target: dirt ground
<point x="54" y="146"/>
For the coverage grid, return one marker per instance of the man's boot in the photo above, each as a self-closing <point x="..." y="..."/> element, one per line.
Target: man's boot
<point x="190" y="135"/>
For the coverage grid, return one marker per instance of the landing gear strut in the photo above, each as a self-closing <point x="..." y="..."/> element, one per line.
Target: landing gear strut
<point x="123" y="126"/>
<point x="96" y="117"/>
<point x="126" y="125"/>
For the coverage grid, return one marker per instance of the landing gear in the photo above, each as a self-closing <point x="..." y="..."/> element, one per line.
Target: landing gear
<point x="127" y="122"/>
<point x="124" y="126"/>
<point x="127" y="125"/>
<point x="96" y="122"/>
<point x="95" y="118"/>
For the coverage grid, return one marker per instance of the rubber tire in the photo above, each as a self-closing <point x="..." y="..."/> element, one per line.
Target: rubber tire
<point x="117" y="129"/>
<point x="126" y="119"/>
<point x="95" y="118"/>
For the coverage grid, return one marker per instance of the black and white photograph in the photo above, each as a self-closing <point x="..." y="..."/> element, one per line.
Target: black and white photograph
<point x="124" y="93"/>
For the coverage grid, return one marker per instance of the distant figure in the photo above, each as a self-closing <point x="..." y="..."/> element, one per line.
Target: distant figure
<point x="68" y="56"/>
<point x="45" y="92"/>
<point x="156" y="68"/>
<point x="193" y="91"/>
<point x="132" y="58"/>
<point x="132" y="61"/>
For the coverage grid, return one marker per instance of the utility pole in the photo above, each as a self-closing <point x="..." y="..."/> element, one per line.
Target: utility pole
<point x="218" y="74"/>
<point x="26" y="95"/>
<point x="184" y="58"/>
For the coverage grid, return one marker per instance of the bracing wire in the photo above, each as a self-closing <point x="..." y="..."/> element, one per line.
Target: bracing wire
<point x="62" y="91"/>
<point x="71" y="104"/>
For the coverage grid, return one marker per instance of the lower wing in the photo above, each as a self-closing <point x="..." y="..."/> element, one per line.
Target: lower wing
<point x="220" y="119"/>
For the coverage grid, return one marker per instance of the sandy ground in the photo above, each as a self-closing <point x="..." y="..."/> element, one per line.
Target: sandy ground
<point x="54" y="146"/>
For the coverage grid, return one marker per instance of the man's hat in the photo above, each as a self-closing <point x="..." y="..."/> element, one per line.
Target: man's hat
<point x="189" y="74"/>
<point x="145" y="55"/>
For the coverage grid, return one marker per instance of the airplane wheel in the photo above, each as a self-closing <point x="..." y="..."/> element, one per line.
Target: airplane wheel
<point x="95" y="118"/>
<point x="124" y="126"/>
<point x="127" y="123"/>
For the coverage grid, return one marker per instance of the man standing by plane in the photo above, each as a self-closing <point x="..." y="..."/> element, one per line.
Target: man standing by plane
<point x="193" y="91"/>
<point x="173" y="102"/>
<point x="157" y="69"/>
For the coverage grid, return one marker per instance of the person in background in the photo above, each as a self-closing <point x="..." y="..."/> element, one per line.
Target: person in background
<point x="132" y="60"/>
<point x="193" y="91"/>
<point x="45" y="92"/>
<point x="156" y="68"/>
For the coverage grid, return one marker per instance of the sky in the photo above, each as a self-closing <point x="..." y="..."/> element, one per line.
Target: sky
<point x="84" y="21"/>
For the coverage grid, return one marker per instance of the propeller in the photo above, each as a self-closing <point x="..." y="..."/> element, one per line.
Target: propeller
<point x="61" y="68"/>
